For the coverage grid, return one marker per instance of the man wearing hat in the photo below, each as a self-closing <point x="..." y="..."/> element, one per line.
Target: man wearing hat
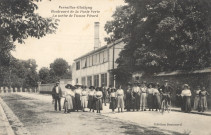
<point x="56" y="95"/>
<point x="166" y="91"/>
<point x="105" y="93"/>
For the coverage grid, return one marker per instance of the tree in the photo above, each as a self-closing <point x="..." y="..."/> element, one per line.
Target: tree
<point x="59" y="67"/>
<point x="18" y="21"/>
<point x="44" y="75"/>
<point x="162" y="35"/>
<point x="21" y="74"/>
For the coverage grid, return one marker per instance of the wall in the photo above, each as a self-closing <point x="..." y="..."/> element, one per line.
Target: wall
<point x="177" y="80"/>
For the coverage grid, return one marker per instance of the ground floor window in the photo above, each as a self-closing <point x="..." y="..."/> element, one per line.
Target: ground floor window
<point x="104" y="79"/>
<point x="89" y="81"/>
<point x="96" y="80"/>
<point x="83" y="80"/>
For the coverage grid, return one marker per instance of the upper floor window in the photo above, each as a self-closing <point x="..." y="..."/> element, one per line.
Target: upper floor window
<point x="78" y="65"/>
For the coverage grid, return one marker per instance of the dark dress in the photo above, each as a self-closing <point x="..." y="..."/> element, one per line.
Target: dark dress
<point x="150" y="98"/>
<point x="129" y="100"/>
<point x="98" y="101"/>
<point x="91" y="100"/>
<point x="186" y="99"/>
<point x="78" y="99"/>
<point x="136" y="95"/>
<point x="113" y="103"/>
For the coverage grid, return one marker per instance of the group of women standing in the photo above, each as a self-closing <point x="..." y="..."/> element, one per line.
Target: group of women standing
<point x="200" y="100"/>
<point x="78" y="98"/>
<point x="142" y="97"/>
<point x="136" y="97"/>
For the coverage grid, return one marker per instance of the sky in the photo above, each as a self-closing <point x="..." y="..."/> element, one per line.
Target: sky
<point x="74" y="36"/>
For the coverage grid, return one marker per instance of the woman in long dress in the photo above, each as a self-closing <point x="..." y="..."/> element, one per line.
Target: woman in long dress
<point x="203" y="99"/>
<point x="112" y="100"/>
<point x="91" y="99"/>
<point x="150" y="97"/>
<point x="98" y="102"/>
<point x="136" y="95"/>
<point x="143" y="102"/>
<point x="120" y="99"/>
<point x="68" y="104"/>
<point x="129" y="98"/>
<point x="157" y="101"/>
<point x="197" y="99"/>
<point x="78" y="98"/>
<point x="84" y="98"/>
<point x="186" y="98"/>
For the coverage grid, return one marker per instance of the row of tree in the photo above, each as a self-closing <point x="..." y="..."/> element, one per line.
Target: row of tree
<point x="23" y="73"/>
<point x="161" y="35"/>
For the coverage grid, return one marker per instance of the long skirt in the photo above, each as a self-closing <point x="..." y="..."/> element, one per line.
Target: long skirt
<point x="113" y="103"/>
<point x="68" y="104"/>
<point x="128" y="103"/>
<point x="84" y="101"/>
<point x="150" y="101"/>
<point x="203" y="103"/>
<point x="91" y="102"/>
<point x="120" y="102"/>
<point x="136" y="101"/>
<point x="143" y="102"/>
<point x="186" y="107"/>
<point x="196" y="103"/>
<point x="98" y="104"/>
<point x="73" y="101"/>
<point x="77" y="102"/>
<point x="157" y="101"/>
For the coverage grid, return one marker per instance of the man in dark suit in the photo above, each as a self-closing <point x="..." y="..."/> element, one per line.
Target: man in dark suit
<point x="166" y="91"/>
<point x="56" y="95"/>
<point x="104" y="91"/>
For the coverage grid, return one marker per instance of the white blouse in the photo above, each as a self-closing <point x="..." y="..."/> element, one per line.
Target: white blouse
<point x="91" y="92"/>
<point x="78" y="91"/>
<point x="120" y="92"/>
<point x="136" y="89"/>
<point x="186" y="92"/>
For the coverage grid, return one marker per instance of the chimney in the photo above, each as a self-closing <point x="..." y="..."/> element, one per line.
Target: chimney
<point x="96" y="36"/>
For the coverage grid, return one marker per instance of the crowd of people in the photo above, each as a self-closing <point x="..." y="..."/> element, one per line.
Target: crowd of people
<point x="135" y="98"/>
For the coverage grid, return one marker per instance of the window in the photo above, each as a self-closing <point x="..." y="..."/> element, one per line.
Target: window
<point x="104" y="79"/>
<point x="105" y="56"/>
<point x="101" y="57"/>
<point x="89" y="81"/>
<point x="78" y="65"/>
<point x="77" y="81"/>
<point x="83" y="80"/>
<point x="96" y="80"/>
<point x="83" y="63"/>
<point x="90" y="61"/>
<point x="98" y="58"/>
<point x="94" y="59"/>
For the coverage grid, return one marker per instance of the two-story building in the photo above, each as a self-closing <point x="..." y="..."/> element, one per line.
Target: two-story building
<point x="94" y="68"/>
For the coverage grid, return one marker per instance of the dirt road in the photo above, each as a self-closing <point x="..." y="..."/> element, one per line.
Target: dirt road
<point x="37" y="115"/>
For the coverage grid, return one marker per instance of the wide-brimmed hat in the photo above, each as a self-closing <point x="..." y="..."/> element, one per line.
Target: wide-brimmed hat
<point x="68" y="86"/>
<point x="152" y="84"/>
<point x="165" y="80"/>
<point x="91" y="87"/>
<point x="185" y="86"/>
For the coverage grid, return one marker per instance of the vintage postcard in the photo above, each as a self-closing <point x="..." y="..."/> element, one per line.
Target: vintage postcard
<point x="105" y="67"/>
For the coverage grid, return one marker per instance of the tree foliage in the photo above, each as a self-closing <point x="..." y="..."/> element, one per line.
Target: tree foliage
<point x="21" y="73"/>
<point x="162" y="35"/>
<point x="18" y="21"/>
<point x="59" y="67"/>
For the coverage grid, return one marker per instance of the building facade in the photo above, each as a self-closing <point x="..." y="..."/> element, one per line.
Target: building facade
<point x="94" y="68"/>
